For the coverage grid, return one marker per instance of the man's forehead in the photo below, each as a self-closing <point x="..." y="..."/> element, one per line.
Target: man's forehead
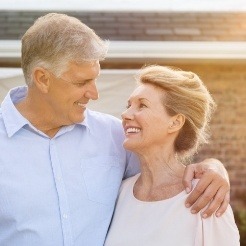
<point x="84" y="70"/>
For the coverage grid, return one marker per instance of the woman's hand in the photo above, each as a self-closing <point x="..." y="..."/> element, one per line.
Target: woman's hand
<point x="212" y="190"/>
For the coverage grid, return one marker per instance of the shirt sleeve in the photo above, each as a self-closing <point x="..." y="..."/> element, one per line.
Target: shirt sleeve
<point x="132" y="166"/>
<point x="215" y="231"/>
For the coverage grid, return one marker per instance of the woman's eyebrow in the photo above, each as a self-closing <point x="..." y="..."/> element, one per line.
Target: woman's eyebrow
<point x="143" y="98"/>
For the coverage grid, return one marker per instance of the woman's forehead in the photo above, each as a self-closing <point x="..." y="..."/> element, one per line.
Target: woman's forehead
<point x="146" y="91"/>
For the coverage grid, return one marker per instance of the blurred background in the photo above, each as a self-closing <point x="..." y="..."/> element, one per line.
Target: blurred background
<point x="206" y="37"/>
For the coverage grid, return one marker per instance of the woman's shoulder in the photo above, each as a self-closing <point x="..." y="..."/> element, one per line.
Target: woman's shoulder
<point x="130" y="180"/>
<point x="128" y="183"/>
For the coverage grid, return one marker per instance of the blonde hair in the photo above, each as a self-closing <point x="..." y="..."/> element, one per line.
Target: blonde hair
<point x="184" y="93"/>
<point x="56" y="39"/>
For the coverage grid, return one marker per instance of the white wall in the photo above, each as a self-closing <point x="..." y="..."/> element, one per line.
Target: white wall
<point x="114" y="87"/>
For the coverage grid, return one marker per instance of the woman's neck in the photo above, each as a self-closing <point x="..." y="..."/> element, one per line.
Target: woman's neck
<point x="163" y="170"/>
<point x="161" y="175"/>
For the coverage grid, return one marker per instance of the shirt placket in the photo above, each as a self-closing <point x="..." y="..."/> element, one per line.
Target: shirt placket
<point x="61" y="192"/>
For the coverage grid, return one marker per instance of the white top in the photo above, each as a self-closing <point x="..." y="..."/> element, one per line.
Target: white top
<point x="166" y="223"/>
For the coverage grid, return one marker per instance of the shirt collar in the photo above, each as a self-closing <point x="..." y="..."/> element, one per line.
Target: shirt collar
<point x="68" y="128"/>
<point x="86" y="119"/>
<point x="12" y="118"/>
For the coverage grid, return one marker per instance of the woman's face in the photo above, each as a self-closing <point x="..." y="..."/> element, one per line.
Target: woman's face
<point x="145" y="120"/>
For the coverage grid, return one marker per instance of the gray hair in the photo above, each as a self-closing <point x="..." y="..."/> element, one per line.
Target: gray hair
<point x="56" y="39"/>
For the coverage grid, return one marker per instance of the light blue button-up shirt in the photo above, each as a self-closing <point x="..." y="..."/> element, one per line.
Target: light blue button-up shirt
<point x="59" y="191"/>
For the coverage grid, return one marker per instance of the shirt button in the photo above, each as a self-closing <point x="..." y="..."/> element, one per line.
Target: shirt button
<point x="65" y="216"/>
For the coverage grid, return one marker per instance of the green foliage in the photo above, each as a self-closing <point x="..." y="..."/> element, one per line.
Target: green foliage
<point x="240" y="218"/>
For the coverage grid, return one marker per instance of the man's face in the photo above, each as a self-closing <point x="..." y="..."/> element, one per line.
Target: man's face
<point x="68" y="95"/>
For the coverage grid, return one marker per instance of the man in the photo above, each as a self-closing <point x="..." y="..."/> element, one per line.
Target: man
<point x="61" y="165"/>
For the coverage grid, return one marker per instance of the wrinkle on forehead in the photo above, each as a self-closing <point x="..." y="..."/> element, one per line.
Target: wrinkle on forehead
<point x="83" y="71"/>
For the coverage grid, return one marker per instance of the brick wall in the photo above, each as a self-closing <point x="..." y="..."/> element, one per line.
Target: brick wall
<point x="185" y="26"/>
<point x="227" y="83"/>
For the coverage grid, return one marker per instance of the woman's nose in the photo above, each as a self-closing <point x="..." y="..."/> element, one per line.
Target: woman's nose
<point x="127" y="114"/>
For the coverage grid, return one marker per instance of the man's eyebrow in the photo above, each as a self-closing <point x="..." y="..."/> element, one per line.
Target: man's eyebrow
<point x="83" y="80"/>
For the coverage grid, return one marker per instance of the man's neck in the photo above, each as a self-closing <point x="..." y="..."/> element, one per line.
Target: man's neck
<point x="39" y="117"/>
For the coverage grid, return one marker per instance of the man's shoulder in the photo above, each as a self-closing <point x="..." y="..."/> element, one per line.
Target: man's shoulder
<point x="2" y="127"/>
<point x="1" y="114"/>
<point x="102" y="118"/>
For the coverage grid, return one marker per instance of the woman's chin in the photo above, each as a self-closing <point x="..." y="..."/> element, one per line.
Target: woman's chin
<point x="129" y="146"/>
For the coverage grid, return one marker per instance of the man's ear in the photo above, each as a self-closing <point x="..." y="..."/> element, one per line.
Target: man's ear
<point x="176" y="123"/>
<point x="41" y="78"/>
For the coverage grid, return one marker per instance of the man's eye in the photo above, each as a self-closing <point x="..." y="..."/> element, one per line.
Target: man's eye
<point x="81" y="84"/>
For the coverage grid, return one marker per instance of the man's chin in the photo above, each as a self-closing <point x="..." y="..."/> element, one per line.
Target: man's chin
<point x="79" y="119"/>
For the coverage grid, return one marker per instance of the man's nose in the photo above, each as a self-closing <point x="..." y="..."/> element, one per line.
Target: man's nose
<point x="92" y="92"/>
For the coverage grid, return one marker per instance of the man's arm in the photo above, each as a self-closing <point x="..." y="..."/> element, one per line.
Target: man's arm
<point x="213" y="189"/>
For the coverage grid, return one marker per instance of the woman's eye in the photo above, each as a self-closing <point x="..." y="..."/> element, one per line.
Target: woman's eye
<point x="128" y="106"/>
<point x="142" y="105"/>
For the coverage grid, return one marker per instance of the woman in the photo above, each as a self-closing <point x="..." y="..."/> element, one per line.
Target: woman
<point x="165" y="122"/>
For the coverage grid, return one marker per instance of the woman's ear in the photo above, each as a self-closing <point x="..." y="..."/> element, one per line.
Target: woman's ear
<point x="41" y="78"/>
<point x="176" y="123"/>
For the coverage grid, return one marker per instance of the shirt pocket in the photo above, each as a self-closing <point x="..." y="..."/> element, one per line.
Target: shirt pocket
<point x="102" y="177"/>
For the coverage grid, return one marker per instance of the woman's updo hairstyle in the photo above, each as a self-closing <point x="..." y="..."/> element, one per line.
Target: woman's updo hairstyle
<point x="184" y="93"/>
